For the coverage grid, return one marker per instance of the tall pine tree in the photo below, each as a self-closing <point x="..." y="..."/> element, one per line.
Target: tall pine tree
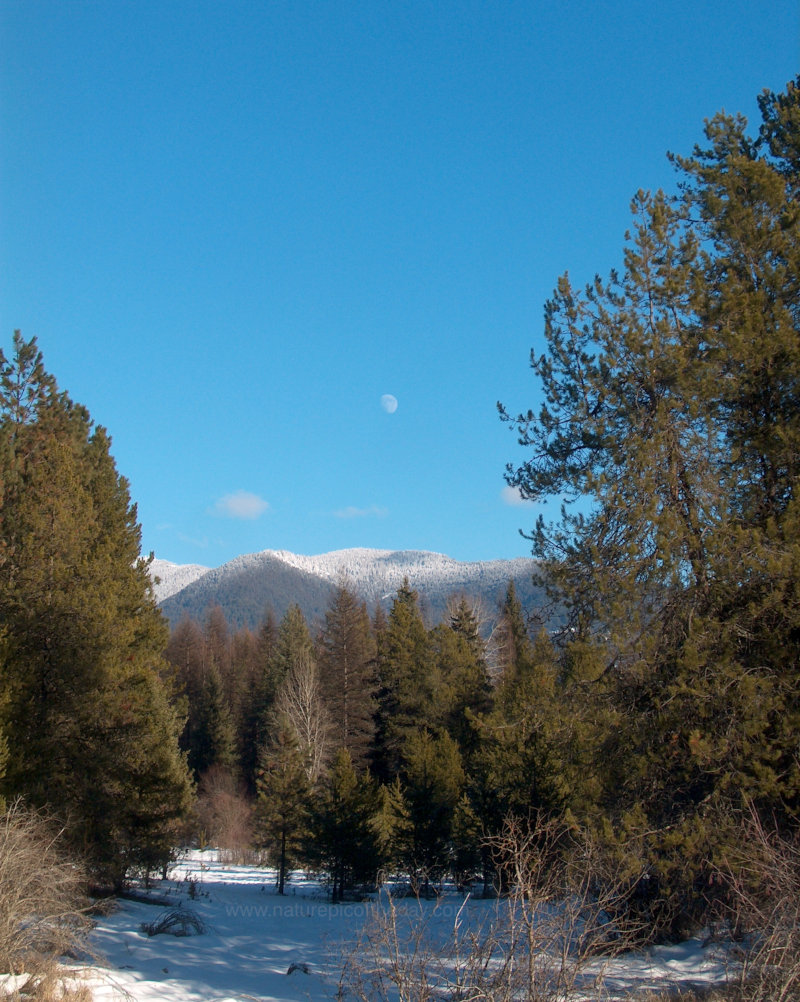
<point x="92" y="734"/>
<point x="347" y="673"/>
<point x="671" y="403"/>
<point x="405" y="682"/>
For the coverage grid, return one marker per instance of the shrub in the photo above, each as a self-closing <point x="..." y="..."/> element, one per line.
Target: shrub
<point x="763" y="911"/>
<point x="548" y="938"/>
<point x="223" y="816"/>
<point x="43" y="906"/>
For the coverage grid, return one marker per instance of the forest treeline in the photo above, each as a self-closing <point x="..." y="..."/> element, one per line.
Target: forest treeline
<point x="667" y="707"/>
<point x="376" y="744"/>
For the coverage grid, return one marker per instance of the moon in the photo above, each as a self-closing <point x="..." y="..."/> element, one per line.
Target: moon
<point x="389" y="403"/>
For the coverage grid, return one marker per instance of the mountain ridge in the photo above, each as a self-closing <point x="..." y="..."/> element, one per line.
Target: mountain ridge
<point x="250" y="583"/>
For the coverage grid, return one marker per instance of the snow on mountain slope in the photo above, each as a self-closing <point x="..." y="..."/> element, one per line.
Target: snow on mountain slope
<point x="376" y="572"/>
<point x="276" y="579"/>
<point x="172" y="578"/>
<point x="373" y="573"/>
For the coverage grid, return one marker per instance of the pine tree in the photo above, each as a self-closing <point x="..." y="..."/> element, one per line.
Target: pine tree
<point x="459" y="668"/>
<point x="262" y="697"/>
<point x="214" y="737"/>
<point x="510" y="638"/>
<point x="343" y="840"/>
<point x="208" y="737"/>
<point x="144" y="791"/>
<point x="391" y="824"/>
<point x="405" y="682"/>
<point x="86" y="709"/>
<point x="292" y="644"/>
<point x="347" y="670"/>
<point x="672" y="405"/>
<point x="253" y="703"/>
<point x="434" y="779"/>
<point x="284" y="797"/>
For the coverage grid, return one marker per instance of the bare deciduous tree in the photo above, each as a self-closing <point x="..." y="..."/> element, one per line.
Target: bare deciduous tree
<point x="222" y="811"/>
<point x="300" y="702"/>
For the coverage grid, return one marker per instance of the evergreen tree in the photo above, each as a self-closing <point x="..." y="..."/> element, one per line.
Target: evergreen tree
<point x="219" y="652"/>
<point x="208" y="737"/>
<point x="391" y="824"/>
<point x="87" y="719"/>
<point x="144" y="791"/>
<point x="254" y="700"/>
<point x="540" y="754"/>
<point x="283" y="800"/>
<point x="433" y="778"/>
<point x="671" y="403"/>
<point x="511" y="640"/>
<point x="347" y="670"/>
<point x="470" y="855"/>
<point x="214" y="738"/>
<point x="267" y="635"/>
<point x="405" y="682"/>
<point x="292" y="644"/>
<point x="459" y="668"/>
<point x="343" y="839"/>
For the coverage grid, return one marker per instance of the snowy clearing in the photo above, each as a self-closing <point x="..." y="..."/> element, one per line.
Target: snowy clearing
<point x="258" y="945"/>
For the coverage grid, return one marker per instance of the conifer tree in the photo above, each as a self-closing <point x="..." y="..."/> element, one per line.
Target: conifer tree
<point x="511" y="639"/>
<point x="433" y="782"/>
<point x="284" y="796"/>
<point x="391" y="824"/>
<point x="405" y="682"/>
<point x="347" y="673"/>
<point x="292" y="643"/>
<point x="219" y="650"/>
<point x="252" y="651"/>
<point x="672" y="406"/>
<point x="92" y="736"/>
<point x="343" y="838"/>
<point x="209" y="735"/>
<point x="458" y="665"/>
<point x="214" y="737"/>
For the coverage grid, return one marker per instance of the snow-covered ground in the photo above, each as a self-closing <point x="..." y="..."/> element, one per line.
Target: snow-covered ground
<point x="254" y="938"/>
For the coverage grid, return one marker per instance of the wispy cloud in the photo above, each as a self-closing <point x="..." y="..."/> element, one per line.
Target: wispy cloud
<point x="512" y="496"/>
<point x="240" y="504"/>
<point x="193" y="540"/>
<point x="374" y="511"/>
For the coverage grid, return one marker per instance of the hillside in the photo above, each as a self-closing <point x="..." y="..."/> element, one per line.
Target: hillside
<point x="248" y="585"/>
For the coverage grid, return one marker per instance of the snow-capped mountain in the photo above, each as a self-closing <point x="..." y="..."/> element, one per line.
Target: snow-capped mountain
<point x="169" y="578"/>
<point x="246" y="586"/>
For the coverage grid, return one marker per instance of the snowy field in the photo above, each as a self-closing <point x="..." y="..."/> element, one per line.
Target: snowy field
<point x="258" y="945"/>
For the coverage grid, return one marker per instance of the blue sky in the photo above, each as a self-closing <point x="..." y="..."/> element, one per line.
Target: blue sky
<point x="236" y="227"/>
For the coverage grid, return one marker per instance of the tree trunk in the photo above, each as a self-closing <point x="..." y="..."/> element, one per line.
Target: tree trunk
<point x="282" y="868"/>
